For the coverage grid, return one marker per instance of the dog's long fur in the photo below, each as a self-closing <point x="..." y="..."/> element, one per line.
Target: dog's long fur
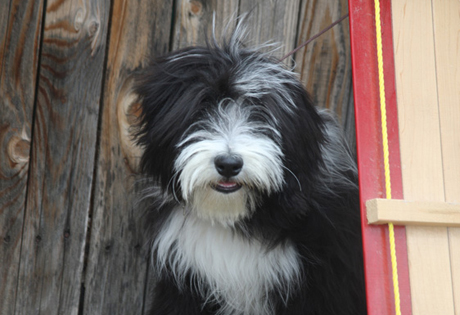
<point x="279" y="235"/>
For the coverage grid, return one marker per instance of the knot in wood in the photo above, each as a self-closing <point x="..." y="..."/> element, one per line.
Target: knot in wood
<point x="38" y="239"/>
<point x="128" y="111"/>
<point x="93" y="28"/>
<point x="196" y="8"/>
<point x="108" y="247"/>
<point x="79" y="20"/>
<point x="19" y="150"/>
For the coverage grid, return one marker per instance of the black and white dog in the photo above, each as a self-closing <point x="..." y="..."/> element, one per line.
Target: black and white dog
<point x="254" y="194"/>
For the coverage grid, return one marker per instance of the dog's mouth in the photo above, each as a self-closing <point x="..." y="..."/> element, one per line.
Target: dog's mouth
<point x="226" y="187"/>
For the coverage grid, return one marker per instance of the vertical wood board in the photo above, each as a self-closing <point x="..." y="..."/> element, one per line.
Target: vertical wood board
<point x="379" y="284"/>
<point x="117" y="272"/>
<point x="20" y="27"/>
<point x="4" y="19"/>
<point x="70" y="236"/>
<point x="446" y="21"/>
<point x="62" y="161"/>
<point x="272" y="22"/>
<point x="422" y="169"/>
<point x="325" y="64"/>
<point x="193" y="21"/>
<point x="325" y="61"/>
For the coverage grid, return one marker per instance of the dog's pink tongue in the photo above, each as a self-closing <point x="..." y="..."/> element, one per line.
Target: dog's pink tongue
<point x="227" y="184"/>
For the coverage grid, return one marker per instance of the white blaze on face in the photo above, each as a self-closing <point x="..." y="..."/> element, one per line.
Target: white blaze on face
<point x="230" y="130"/>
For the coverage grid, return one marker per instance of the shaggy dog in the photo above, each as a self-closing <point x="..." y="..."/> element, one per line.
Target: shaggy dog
<point x="254" y="197"/>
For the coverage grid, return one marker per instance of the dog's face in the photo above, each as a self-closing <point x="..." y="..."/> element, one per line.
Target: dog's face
<point x="226" y="158"/>
<point x="221" y="128"/>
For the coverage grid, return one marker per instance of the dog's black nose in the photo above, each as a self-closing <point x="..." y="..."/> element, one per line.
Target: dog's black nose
<point x="228" y="165"/>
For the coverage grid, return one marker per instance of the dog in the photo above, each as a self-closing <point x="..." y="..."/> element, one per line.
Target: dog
<point x="253" y="197"/>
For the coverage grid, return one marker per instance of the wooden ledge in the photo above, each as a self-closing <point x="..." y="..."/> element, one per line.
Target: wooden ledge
<point x="402" y="212"/>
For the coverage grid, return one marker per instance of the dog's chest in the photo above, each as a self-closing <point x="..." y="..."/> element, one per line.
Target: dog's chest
<point x="237" y="273"/>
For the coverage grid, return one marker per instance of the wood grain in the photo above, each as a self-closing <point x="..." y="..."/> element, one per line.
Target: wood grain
<point x="62" y="161"/>
<point x="421" y="157"/>
<point x="20" y="26"/>
<point x="446" y="19"/>
<point x="4" y="18"/>
<point x="194" y="19"/>
<point x="325" y="64"/>
<point x="117" y="264"/>
<point x="272" y="22"/>
<point x="70" y="242"/>
<point x="403" y="212"/>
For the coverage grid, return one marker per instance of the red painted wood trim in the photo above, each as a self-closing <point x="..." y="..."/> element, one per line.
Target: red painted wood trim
<point x="379" y="283"/>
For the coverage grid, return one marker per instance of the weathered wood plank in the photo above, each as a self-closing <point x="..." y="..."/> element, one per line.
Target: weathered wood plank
<point x="117" y="271"/>
<point x="62" y="160"/>
<point x="272" y="22"/>
<point x="421" y="156"/>
<point x="194" y="18"/>
<point x="20" y="26"/>
<point x="325" y="64"/>
<point x="4" y="18"/>
<point x="446" y="18"/>
<point x="64" y="142"/>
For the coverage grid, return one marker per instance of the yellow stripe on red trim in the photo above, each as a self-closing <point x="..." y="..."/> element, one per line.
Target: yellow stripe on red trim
<point x="386" y="154"/>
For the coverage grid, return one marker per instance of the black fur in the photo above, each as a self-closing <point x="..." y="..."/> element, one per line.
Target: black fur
<point x="321" y="220"/>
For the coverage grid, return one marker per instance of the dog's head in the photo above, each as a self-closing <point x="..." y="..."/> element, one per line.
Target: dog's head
<point x="223" y="127"/>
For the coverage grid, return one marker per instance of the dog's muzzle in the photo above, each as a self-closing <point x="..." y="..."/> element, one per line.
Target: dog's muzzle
<point x="228" y="166"/>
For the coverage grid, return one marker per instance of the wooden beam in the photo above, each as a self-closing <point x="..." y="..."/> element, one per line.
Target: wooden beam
<point x="402" y="212"/>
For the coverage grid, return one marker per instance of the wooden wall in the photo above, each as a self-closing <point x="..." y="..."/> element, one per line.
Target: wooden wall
<point x="69" y="236"/>
<point x="427" y="61"/>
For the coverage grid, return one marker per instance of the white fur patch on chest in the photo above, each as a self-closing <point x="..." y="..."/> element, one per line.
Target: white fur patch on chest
<point x="237" y="273"/>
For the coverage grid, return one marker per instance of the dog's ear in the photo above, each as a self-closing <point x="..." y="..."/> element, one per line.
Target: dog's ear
<point x="303" y="133"/>
<point x="167" y="105"/>
<point x="174" y="92"/>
